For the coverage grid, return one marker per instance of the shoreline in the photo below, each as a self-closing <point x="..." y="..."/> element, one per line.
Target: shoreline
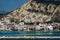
<point x="30" y="37"/>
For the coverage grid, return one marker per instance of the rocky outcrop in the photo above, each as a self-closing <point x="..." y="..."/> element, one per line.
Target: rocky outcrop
<point x="35" y="11"/>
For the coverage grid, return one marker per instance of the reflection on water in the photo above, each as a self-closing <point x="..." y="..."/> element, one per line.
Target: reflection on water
<point x="31" y="33"/>
<point x="44" y="33"/>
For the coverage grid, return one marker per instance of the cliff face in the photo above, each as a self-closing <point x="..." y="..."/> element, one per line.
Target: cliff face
<point x="35" y="11"/>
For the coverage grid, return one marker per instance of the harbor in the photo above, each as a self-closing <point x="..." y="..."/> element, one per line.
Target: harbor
<point x="12" y="26"/>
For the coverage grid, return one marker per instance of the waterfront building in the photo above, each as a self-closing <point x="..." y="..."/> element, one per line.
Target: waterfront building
<point x="38" y="28"/>
<point x="50" y="27"/>
<point x="18" y="27"/>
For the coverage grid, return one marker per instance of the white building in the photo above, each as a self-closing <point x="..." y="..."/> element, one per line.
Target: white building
<point x="50" y="27"/>
<point x="18" y="27"/>
<point x="37" y="28"/>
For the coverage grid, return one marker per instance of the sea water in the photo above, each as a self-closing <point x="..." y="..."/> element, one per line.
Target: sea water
<point x="30" y="33"/>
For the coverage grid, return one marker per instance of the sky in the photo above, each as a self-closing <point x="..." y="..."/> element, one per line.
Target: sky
<point x="10" y="5"/>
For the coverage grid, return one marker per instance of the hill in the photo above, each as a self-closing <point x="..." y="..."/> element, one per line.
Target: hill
<point x="35" y="11"/>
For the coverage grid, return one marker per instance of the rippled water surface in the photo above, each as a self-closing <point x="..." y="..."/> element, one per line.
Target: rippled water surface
<point x="32" y="33"/>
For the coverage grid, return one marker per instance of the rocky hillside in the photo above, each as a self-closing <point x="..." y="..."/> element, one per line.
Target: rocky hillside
<point x="35" y="11"/>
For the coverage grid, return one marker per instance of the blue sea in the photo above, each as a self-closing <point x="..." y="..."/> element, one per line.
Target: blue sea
<point x="31" y="33"/>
